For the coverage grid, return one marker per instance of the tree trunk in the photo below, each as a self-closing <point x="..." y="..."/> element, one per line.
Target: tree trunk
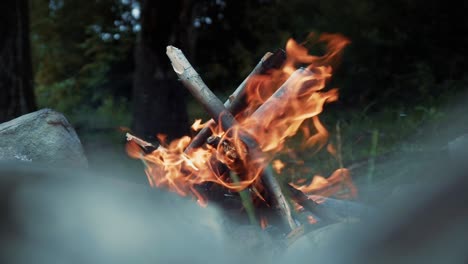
<point x="16" y="82"/>
<point x="159" y="99"/>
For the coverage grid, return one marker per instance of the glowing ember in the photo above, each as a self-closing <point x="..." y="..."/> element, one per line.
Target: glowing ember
<point x="197" y="125"/>
<point x="280" y="104"/>
<point x="278" y="165"/>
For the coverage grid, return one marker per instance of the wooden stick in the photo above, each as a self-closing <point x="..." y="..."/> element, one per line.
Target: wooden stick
<point x="146" y="146"/>
<point x="219" y="113"/>
<point x="236" y="101"/>
<point x="193" y="82"/>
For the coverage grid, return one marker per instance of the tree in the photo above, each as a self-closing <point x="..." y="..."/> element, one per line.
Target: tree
<point x="158" y="98"/>
<point x="83" y="61"/>
<point x="16" y="81"/>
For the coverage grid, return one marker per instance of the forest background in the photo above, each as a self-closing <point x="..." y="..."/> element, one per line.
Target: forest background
<point x="103" y="64"/>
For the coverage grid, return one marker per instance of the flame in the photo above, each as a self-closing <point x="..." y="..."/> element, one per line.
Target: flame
<point x="198" y="125"/>
<point x="338" y="184"/>
<point x="298" y="54"/>
<point x="278" y="166"/>
<point x="279" y="105"/>
<point x="168" y="166"/>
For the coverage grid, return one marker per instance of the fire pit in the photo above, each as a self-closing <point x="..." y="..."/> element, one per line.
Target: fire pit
<point x="232" y="153"/>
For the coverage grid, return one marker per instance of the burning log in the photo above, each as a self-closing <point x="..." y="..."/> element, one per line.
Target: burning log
<point x="301" y="97"/>
<point x="302" y="199"/>
<point x="246" y="133"/>
<point x="236" y="101"/>
<point x="326" y="215"/>
<point x="193" y="82"/>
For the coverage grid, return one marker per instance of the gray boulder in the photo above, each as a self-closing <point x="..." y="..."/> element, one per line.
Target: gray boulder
<point x="43" y="136"/>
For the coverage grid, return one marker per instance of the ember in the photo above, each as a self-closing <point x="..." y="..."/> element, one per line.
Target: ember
<point x="274" y="103"/>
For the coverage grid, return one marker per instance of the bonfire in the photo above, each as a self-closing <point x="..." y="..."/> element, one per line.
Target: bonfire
<point x="237" y="150"/>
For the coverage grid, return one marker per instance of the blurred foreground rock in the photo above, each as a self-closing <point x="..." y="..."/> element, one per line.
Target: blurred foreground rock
<point x="74" y="216"/>
<point x="458" y="150"/>
<point x="52" y="215"/>
<point x="343" y="210"/>
<point x="44" y="136"/>
<point x="317" y="240"/>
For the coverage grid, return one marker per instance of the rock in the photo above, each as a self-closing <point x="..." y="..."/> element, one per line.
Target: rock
<point x="43" y="136"/>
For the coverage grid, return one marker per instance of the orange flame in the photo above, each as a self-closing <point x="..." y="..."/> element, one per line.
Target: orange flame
<point x="280" y="104"/>
<point x="278" y="166"/>
<point x="198" y="125"/>
<point x="338" y="184"/>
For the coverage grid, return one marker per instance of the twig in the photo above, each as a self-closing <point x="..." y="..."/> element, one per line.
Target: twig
<point x="217" y="111"/>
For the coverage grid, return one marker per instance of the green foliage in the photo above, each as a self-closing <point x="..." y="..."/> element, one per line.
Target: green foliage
<point x="75" y="46"/>
<point x="394" y="58"/>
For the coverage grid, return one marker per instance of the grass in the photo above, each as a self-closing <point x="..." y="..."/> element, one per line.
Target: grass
<point x="391" y="142"/>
